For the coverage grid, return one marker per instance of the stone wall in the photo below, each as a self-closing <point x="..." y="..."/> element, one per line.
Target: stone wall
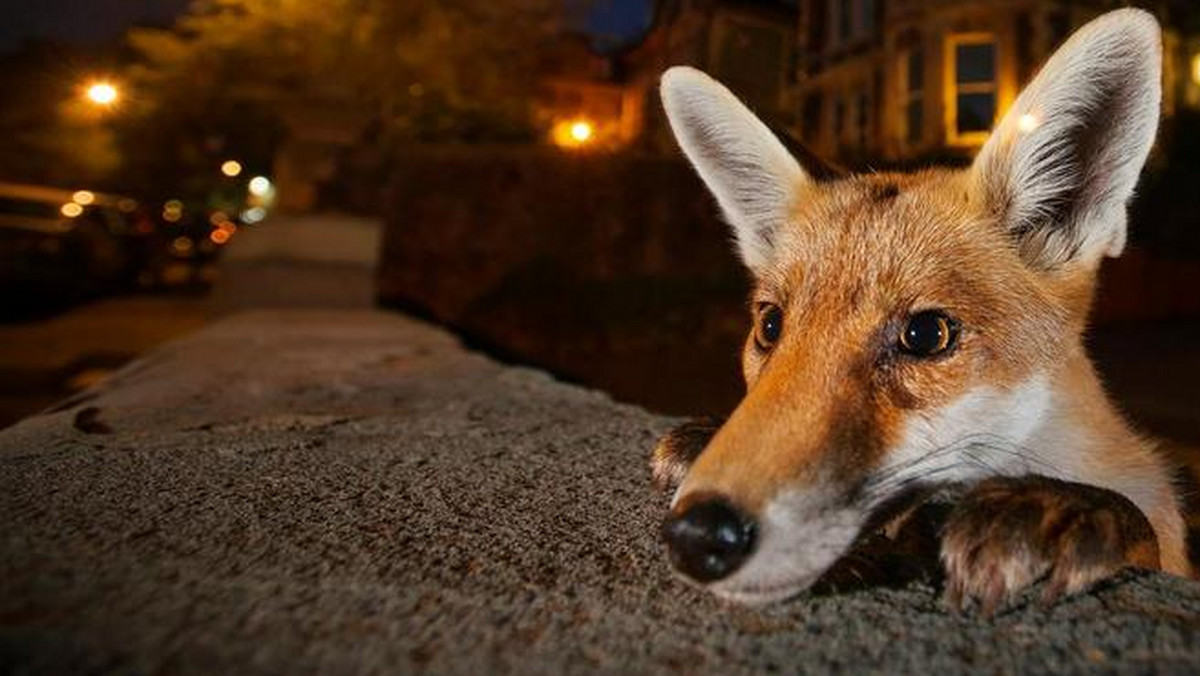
<point x="616" y="270"/>
<point x="594" y="266"/>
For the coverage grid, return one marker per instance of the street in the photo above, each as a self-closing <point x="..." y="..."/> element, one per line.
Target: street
<point x="329" y="261"/>
<point x="315" y="262"/>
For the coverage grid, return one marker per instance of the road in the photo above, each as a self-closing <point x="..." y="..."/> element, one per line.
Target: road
<point x="310" y="261"/>
<point x="329" y="261"/>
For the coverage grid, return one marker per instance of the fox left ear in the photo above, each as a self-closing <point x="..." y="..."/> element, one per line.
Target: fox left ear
<point x="745" y="166"/>
<point x="1062" y="165"/>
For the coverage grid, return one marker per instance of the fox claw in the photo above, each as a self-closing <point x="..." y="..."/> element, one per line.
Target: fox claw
<point x="1010" y="533"/>
<point x="678" y="449"/>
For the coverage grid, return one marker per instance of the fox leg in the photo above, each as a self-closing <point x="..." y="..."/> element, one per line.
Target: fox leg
<point x="676" y="451"/>
<point x="1007" y="533"/>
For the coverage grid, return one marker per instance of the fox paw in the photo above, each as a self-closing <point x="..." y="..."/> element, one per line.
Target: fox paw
<point x="1008" y="533"/>
<point x="678" y="449"/>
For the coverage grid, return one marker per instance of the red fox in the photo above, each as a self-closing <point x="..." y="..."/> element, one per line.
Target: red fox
<point x="918" y="329"/>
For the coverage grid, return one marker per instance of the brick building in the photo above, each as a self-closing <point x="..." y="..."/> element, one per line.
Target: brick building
<point x="898" y="80"/>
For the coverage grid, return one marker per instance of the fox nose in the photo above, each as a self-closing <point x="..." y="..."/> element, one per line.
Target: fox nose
<point x="709" y="540"/>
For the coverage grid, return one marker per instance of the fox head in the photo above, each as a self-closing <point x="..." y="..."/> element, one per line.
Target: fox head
<point x="906" y="327"/>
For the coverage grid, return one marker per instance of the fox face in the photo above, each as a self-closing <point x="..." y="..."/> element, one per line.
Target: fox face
<point x="910" y="329"/>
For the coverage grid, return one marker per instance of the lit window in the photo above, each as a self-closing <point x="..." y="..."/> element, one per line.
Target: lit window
<point x="972" y="98"/>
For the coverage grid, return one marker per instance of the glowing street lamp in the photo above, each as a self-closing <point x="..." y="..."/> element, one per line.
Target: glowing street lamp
<point x="574" y="133"/>
<point x="581" y="131"/>
<point x="102" y="93"/>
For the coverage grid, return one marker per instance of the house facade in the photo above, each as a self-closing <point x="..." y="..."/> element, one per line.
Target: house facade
<point x="860" y="81"/>
<point x="907" y="80"/>
<point x="748" y="44"/>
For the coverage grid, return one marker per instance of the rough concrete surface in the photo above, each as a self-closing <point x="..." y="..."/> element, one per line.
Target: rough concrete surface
<point x="342" y="491"/>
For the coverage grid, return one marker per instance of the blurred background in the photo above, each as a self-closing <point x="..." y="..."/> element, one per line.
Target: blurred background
<point x="503" y="168"/>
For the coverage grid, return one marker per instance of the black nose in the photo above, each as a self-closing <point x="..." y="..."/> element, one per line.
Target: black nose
<point x="709" y="540"/>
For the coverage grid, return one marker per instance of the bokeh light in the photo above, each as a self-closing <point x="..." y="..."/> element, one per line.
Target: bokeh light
<point x="260" y="186"/>
<point x="102" y="93"/>
<point x="581" y="131"/>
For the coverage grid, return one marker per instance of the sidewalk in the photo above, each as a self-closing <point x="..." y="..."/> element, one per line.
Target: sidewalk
<point x="335" y="491"/>
<point x="319" y="261"/>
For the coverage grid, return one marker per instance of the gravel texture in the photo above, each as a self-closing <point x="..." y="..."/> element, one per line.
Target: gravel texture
<point x="348" y="491"/>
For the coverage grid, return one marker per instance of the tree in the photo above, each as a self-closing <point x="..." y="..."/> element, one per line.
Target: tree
<point x="249" y="77"/>
<point x="418" y="68"/>
<point x="48" y="133"/>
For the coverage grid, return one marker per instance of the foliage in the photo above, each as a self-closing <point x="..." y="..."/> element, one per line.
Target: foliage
<point x="424" y="68"/>
<point x="47" y="133"/>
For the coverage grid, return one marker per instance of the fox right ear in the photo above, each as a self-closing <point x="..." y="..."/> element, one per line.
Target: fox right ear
<point x="1064" y="161"/>
<point x="748" y="170"/>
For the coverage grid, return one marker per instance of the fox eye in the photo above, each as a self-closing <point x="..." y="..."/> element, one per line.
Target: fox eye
<point x="928" y="334"/>
<point x="769" y="326"/>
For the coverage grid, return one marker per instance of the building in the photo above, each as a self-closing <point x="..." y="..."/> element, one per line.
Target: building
<point x="582" y="100"/>
<point x="860" y="81"/>
<point x="905" y="80"/>
<point x="748" y="44"/>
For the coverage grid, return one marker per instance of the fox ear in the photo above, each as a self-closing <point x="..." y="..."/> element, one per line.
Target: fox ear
<point x="748" y="170"/>
<point x="1063" y="163"/>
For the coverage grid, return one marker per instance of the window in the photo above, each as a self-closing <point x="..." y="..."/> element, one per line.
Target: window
<point x="845" y="19"/>
<point x="912" y="78"/>
<point x="867" y="10"/>
<point x="839" y="119"/>
<point x="1024" y="47"/>
<point x="811" y="117"/>
<point x="853" y="19"/>
<point x="752" y="60"/>
<point x="862" y="123"/>
<point x="972" y="95"/>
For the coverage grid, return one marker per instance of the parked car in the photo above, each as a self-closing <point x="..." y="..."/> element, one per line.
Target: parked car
<point x="60" y="246"/>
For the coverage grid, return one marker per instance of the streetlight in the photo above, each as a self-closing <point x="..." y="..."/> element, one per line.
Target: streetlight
<point x="581" y="131"/>
<point x="102" y="93"/>
<point x="575" y="133"/>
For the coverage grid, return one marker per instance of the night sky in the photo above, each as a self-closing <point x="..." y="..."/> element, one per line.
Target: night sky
<point x="80" y="21"/>
<point x="96" y="21"/>
<point x="615" y="22"/>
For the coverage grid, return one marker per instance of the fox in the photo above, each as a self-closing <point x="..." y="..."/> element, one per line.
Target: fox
<point x="915" y="332"/>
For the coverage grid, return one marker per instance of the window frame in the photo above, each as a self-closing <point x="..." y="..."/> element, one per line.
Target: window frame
<point x="953" y="88"/>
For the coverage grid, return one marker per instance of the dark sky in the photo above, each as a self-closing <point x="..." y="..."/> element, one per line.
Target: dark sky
<point x="94" y="21"/>
<point x="615" y="22"/>
<point x="82" y="21"/>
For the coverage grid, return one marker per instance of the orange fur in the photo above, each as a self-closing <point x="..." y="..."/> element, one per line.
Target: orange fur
<point x="1009" y="248"/>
